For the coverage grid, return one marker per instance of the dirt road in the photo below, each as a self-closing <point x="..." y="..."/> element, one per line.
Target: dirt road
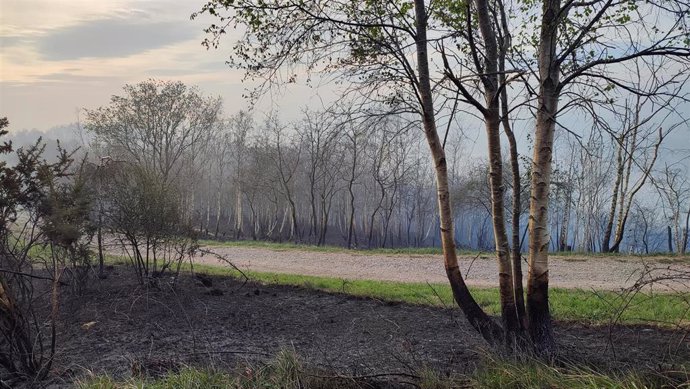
<point x="601" y="273"/>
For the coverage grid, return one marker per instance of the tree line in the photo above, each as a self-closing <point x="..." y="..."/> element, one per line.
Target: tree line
<point x="362" y="181"/>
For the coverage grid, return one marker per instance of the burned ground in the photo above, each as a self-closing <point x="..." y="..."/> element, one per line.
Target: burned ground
<point x="117" y="326"/>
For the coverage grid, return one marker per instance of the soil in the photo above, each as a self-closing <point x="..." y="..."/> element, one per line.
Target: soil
<point x="600" y="273"/>
<point x="117" y="326"/>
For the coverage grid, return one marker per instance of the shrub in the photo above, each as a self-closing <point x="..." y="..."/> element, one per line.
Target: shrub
<point x="27" y="345"/>
<point x="145" y="216"/>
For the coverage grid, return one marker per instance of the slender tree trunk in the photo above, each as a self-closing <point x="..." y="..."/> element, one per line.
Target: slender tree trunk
<point x="351" y="223"/>
<point x="684" y="248"/>
<point x="677" y="230"/>
<point x="474" y="313"/>
<point x="313" y="229"/>
<point x="238" y="211"/>
<point x="538" y="314"/>
<point x="644" y="233"/>
<point x="294" y="230"/>
<point x="372" y="219"/>
<point x="515" y="222"/>
<point x="565" y="225"/>
<point x="605" y="244"/>
<point x="627" y="204"/>
<point x="218" y="214"/>
<point x="492" y="119"/>
<point x="101" y="258"/>
<point x="509" y="313"/>
<point x="324" y="223"/>
<point x="208" y="212"/>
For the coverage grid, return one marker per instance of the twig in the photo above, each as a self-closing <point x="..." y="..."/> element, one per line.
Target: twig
<point x="467" y="273"/>
<point x="31" y="276"/>
<point x="436" y="294"/>
<point x="223" y="259"/>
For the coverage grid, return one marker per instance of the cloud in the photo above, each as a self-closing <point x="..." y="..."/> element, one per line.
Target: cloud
<point x="8" y="41"/>
<point x="111" y="38"/>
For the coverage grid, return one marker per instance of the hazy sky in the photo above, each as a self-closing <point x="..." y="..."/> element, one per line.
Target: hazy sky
<point x="57" y="56"/>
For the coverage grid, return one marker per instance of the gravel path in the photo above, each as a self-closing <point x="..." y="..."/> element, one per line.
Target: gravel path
<point x="603" y="273"/>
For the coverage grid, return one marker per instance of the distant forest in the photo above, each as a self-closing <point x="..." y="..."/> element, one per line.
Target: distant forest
<point x="365" y="181"/>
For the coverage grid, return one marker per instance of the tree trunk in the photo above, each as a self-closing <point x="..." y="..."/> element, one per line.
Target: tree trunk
<point x="218" y="215"/>
<point x="614" y="199"/>
<point x="238" y="211"/>
<point x="684" y="248"/>
<point x="350" y="189"/>
<point x="515" y="222"/>
<point x="538" y="314"/>
<point x="625" y="206"/>
<point x="492" y="119"/>
<point x="505" y="270"/>
<point x="294" y="229"/>
<point x="99" y="237"/>
<point x="325" y="211"/>
<point x="351" y="222"/>
<point x="474" y="313"/>
<point x="313" y="232"/>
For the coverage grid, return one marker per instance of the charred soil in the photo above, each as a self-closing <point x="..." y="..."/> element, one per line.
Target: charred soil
<point x="119" y="327"/>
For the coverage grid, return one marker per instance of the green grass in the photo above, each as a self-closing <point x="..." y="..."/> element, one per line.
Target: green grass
<point x="187" y="378"/>
<point x="530" y="373"/>
<point x="284" y="246"/>
<point x="286" y="371"/>
<point x="583" y="306"/>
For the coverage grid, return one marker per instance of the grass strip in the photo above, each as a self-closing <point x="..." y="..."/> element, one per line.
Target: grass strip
<point x="286" y="371"/>
<point x="584" y="306"/>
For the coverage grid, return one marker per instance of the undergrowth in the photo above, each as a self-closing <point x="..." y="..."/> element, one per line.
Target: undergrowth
<point x="286" y="371"/>
<point x="531" y="373"/>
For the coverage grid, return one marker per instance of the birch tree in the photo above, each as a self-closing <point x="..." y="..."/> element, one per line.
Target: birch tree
<point x="286" y="164"/>
<point x="674" y="187"/>
<point x="578" y="45"/>
<point x="242" y="125"/>
<point x="486" y="47"/>
<point x="638" y="141"/>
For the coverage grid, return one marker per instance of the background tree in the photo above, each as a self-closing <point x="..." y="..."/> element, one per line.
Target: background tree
<point x="155" y="124"/>
<point x="674" y="187"/>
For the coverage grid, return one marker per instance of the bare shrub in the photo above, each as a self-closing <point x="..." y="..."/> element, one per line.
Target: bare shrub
<point x="146" y="218"/>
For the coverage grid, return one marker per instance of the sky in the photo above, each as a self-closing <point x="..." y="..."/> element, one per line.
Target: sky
<point x="60" y="56"/>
